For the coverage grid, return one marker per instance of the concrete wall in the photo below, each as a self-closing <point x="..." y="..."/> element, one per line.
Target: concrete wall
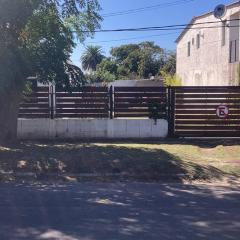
<point x="209" y="65"/>
<point x="91" y="129"/>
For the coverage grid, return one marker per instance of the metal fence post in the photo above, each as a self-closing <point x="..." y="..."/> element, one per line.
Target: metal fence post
<point x="51" y="93"/>
<point x="111" y="105"/>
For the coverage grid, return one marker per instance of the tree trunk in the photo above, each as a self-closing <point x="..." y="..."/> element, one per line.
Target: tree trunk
<point x="9" y="107"/>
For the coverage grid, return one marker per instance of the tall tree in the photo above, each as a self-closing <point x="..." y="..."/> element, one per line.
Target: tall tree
<point x="37" y="38"/>
<point x="92" y="57"/>
<point x="170" y="64"/>
<point x="151" y="59"/>
<point x="141" y="59"/>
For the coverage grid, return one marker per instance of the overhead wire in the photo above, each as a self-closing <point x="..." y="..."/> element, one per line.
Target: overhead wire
<point x="133" y="38"/>
<point x="166" y="27"/>
<point x="147" y="8"/>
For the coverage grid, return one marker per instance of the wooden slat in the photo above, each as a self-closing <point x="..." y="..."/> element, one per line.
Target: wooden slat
<point x="79" y="105"/>
<point x="139" y="100"/>
<point x="204" y="112"/>
<point x="213" y="127"/>
<point x="136" y="95"/>
<point x="35" y="110"/>
<point x="216" y="101"/>
<point x="33" y="115"/>
<point x="81" y="110"/>
<point x="34" y="105"/>
<point x="208" y="95"/>
<point x="86" y="89"/>
<point x="202" y="107"/>
<point x="207" y="122"/>
<point x="37" y="94"/>
<point x="81" y="95"/>
<point x="139" y="89"/>
<point x="135" y="105"/>
<point x="82" y="100"/>
<point x="132" y="110"/>
<point x="88" y="115"/>
<point x="208" y="90"/>
<point x="132" y="115"/>
<point x="35" y="100"/>
<point x="201" y="133"/>
<point x="206" y="117"/>
<point x="42" y="89"/>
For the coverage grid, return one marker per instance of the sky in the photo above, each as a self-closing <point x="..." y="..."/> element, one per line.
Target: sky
<point x="181" y="12"/>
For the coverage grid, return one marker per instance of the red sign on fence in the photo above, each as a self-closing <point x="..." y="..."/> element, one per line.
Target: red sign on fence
<point x="222" y="111"/>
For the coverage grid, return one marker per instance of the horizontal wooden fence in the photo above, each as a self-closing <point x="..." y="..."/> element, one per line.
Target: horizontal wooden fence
<point x="195" y="111"/>
<point x="137" y="101"/>
<point x="90" y="102"/>
<point x="191" y="111"/>
<point x="36" y="104"/>
<point x="95" y="102"/>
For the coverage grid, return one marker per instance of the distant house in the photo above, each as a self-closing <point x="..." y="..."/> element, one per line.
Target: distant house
<point x="209" y="55"/>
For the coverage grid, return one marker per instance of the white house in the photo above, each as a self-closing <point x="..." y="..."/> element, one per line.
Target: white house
<point x="208" y="50"/>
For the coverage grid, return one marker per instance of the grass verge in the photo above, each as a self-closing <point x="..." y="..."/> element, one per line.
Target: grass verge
<point x="165" y="161"/>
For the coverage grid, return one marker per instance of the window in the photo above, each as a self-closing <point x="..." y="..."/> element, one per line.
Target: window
<point x="198" y="41"/>
<point x="224" y="33"/>
<point x="189" y="49"/>
<point x="234" y="51"/>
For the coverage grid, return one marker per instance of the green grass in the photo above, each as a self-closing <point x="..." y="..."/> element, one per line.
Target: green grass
<point x="170" y="160"/>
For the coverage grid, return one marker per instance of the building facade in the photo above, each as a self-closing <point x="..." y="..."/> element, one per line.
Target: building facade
<point x="208" y="50"/>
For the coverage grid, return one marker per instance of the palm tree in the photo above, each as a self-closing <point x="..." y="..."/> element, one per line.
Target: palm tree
<point x="92" y="57"/>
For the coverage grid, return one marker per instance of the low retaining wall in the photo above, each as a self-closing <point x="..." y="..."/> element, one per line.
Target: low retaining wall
<point x="91" y="129"/>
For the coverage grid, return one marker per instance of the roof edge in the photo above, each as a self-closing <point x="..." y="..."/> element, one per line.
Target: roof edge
<point x="200" y="16"/>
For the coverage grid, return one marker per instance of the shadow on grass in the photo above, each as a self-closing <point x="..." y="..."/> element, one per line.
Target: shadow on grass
<point x="136" y="164"/>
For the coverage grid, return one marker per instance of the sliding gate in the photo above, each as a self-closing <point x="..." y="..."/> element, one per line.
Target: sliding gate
<point x="205" y="111"/>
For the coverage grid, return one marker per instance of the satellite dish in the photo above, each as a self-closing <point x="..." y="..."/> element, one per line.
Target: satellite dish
<point x="220" y="11"/>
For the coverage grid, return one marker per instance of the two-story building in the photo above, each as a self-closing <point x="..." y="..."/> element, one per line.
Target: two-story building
<point x="208" y="50"/>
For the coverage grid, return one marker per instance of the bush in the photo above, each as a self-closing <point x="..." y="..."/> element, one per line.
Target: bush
<point x="170" y="80"/>
<point x="156" y="110"/>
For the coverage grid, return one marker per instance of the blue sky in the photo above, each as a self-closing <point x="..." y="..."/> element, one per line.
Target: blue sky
<point x="178" y="14"/>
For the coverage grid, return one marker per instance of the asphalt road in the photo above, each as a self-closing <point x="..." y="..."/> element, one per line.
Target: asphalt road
<point x="91" y="211"/>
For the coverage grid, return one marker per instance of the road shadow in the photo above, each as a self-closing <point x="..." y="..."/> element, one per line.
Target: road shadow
<point x="120" y="211"/>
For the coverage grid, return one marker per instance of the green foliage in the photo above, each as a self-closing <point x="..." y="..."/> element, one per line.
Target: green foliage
<point x="238" y="75"/>
<point x="170" y="64"/>
<point x="152" y="59"/>
<point x="100" y="77"/>
<point x="142" y="59"/>
<point x="170" y="80"/>
<point x="156" y="110"/>
<point x="107" y="65"/>
<point x="13" y="65"/>
<point x="48" y="44"/>
<point x="92" y="57"/>
<point x="37" y="40"/>
<point x="81" y="17"/>
<point x="122" y="52"/>
<point x="137" y="61"/>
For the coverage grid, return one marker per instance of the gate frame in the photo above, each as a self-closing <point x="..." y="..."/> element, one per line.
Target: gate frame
<point x="172" y="106"/>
